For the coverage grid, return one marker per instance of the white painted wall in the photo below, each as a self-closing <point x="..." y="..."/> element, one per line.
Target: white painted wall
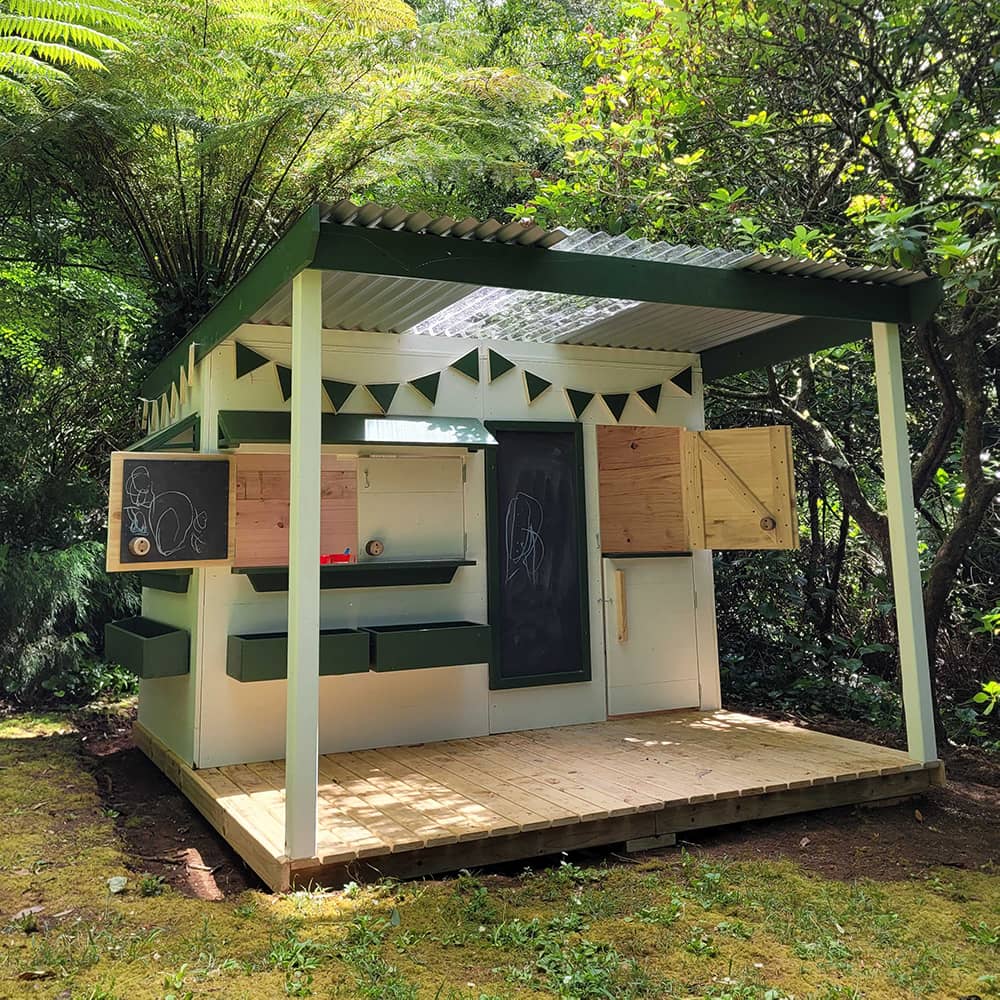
<point x="411" y="512"/>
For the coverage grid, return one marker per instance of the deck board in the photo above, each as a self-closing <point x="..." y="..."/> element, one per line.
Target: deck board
<point x="534" y="791"/>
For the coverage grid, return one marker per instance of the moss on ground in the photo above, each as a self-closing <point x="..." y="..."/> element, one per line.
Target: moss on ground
<point x="676" y="926"/>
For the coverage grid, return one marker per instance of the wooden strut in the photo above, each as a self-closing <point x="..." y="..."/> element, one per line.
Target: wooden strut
<point x="734" y="484"/>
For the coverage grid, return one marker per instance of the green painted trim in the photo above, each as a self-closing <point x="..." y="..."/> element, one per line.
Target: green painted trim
<point x="147" y="648"/>
<point x="579" y="401"/>
<point x="468" y="365"/>
<point x="264" y="657"/>
<point x="173" y="581"/>
<point x="771" y="347"/>
<point x="499" y="365"/>
<point x="248" y="360"/>
<point x="616" y="403"/>
<point x="498" y="265"/>
<point x="351" y="576"/>
<point x="427" y="386"/>
<point x="383" y="393"/>
<point x="337" y="392"/>
<point x="284" y="381"/>
<point x="684" y="380"/>
<point x="493" y="583"/>
<point x="161" y="440"/>
<point x="535" y="385"/>
<point x="651" y="395"/>
<point x="292" y="253"/>
<point x="238" y="427"/>
<point x="430" y="644"/>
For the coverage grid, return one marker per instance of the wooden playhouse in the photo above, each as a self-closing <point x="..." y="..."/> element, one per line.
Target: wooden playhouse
<point x="424" y="520"/>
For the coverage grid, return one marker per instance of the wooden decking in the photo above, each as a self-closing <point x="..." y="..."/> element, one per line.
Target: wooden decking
<point x="442" y="806"/>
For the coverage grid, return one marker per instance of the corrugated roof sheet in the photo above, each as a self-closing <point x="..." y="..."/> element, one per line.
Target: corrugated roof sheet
<point x="444" y="309"/>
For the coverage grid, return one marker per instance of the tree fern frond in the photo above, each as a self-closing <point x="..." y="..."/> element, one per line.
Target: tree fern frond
<point x="54" y="52"/>
<point x="46" y="30"/>
<point x="27" y="66"/>
<point x="114" y="14"/>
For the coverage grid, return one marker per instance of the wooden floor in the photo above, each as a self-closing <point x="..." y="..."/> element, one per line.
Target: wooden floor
<point x="443" y="806"/>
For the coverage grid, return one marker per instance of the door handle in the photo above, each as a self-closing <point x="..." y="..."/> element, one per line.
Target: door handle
<point x="621" y="607"/>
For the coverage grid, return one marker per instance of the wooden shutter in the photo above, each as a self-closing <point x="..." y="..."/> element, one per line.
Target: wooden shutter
<point x="740" y="489"/>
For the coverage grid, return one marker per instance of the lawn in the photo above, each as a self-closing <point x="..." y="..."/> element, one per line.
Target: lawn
<point x="84" y="917"/>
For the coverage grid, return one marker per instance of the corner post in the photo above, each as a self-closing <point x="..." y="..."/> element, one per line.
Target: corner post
<point x="914" y="665"/>
<point x="302" y="691"/>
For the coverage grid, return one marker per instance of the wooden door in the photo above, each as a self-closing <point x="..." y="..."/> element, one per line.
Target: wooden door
<point x="740" y="489"/>
<point x="650" y="637"/>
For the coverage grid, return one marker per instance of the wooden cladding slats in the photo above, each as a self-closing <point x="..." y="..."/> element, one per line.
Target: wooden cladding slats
<point x="262" y="502"/>
<point x="666" y="489"/>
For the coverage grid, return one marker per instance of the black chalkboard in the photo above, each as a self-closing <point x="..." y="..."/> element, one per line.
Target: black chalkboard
<point x="181" y="505"/>
<point x="537" y="552"/>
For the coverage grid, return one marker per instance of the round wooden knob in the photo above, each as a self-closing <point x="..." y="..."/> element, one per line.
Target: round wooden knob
<point x="768" y="524"/>
<point x="374" y="547"/>
<point x="139" y="546"/>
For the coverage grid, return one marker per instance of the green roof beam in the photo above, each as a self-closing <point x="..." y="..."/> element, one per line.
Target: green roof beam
<point x="498" y="265"/>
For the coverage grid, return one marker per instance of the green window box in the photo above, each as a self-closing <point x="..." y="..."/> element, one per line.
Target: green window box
<point x="428" y="644"/>
<point x="148" y="648"/>
<point x="264" y="657"/>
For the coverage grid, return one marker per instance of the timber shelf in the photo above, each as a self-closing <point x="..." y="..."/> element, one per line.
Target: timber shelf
<point x="388" y="573"/>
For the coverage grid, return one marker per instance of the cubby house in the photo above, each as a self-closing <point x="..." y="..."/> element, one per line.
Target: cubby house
<point x="424" y="520"/>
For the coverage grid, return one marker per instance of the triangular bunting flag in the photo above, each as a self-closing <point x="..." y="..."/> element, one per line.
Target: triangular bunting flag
<point x="427" y="386"/>
<point x="683" y="380"/>
<point x="337" y="392"/>
<point x="579" y="401"/>
<point x="468" y="365"/>
<point x="383" y="394"/>
<point x="615" y="402"/>
<point x="535" y="386"/>
<point x="499" y="365"/>
<point x="285" y="381"/>
<point x="246" y="361"/>
<point x="651" y="396"/>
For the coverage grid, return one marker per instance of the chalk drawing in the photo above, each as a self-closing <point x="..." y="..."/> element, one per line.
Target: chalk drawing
<point x="523" y="531"/>
<point x="170" y="520"/>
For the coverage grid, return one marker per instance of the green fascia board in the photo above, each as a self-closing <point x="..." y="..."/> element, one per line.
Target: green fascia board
<point x="238" y="427"/>
<point x="293" y="252"/>
<point x="164" y="440"/>
<point x="783" y="343"/>
<point x="499" y="265"/>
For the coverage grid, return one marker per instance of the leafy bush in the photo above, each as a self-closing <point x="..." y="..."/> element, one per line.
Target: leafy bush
<point x="52" y="607"/>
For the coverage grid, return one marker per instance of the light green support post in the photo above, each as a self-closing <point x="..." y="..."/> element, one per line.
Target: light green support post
<point x="302" y="691"/>
<point x="913" y="662"/>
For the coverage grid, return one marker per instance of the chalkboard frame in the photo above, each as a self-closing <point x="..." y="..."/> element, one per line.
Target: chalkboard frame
<point x="113" y="560"/>
<point x="498" y="682"/>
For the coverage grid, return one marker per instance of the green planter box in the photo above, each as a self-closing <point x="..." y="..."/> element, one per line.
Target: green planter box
<point x="264" y="657"/>
<point x="429" y="644"/>
<point x="148" y="648"/>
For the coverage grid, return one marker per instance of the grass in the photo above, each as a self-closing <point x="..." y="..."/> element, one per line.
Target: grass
<point x="674" y="927"/>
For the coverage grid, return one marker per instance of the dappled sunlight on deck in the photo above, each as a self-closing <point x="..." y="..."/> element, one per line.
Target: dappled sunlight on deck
<point x="661" y="769"/>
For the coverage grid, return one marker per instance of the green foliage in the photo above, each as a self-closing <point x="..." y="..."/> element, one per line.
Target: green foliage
<point x="41" y="40"/>
<point x="52" y="608"/>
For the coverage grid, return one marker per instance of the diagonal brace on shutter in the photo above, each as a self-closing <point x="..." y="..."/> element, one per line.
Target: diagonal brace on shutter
<point x="733" y="483"/>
